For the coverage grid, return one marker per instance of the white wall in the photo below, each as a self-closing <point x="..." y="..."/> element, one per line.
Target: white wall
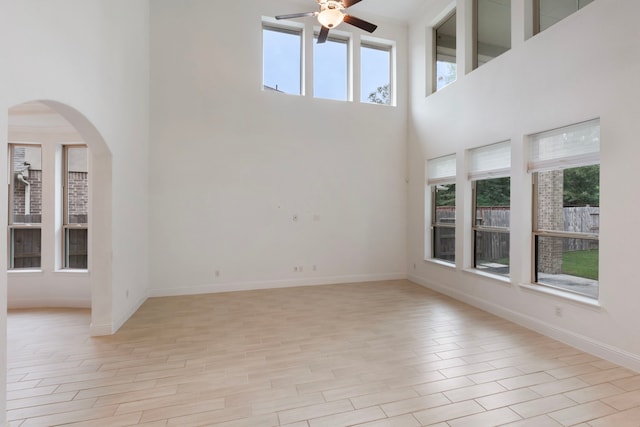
<point x="92" y="56"/>
<point x="232" y="164"/>
<point x="582" y="68"/>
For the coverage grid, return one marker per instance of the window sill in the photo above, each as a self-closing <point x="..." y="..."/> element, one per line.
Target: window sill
<point x="441" y="263"/>
<point x="586" y="301"/>
<point x="24" y="271"/>
<point x="71" y="271"/>
<point x="503" y="280"/>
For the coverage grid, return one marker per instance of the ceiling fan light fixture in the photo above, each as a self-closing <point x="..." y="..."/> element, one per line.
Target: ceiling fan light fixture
<point x="330" y="18"/>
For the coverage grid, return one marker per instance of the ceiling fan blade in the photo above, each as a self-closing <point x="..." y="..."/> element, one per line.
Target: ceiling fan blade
<point x="296" y="15"/>
<point x="324" y="33"/>
<point x="360" y="23"/>
<point x="349" y="3"/>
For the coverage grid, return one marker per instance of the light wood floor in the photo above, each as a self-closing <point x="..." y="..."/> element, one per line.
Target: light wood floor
<point x="375" y="354"/>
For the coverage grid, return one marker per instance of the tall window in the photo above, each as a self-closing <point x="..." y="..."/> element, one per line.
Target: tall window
<point x="25" y="206"/>
<point x="75" y="207"/>
<point x="442" y="176"/>
<point x="330" y="69"/>
<point x="282" y="59"/>
<point x="493" y="29"/>
<point x="446" y="70"/>
<point x="375" y="75"/>
<point x="549" y="12"/>
<point x="489" y="172"/>
<point x="566" y="171"/>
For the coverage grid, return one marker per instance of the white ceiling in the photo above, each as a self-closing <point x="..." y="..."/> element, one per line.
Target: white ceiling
<point x="400" y="10"/>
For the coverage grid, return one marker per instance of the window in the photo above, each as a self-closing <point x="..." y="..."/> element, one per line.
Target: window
<point x="489" y="172"/>
<point x="25" y="205"/>
<point x="375" y="75"/>
<point x="493" y="29"/>
<point x="446" y="70"/>
<point x="282" y="59"/>
<point x="75" y="207"/>
<point x="549" y="12"/>
<point x="442" y="175"/>
<point x="566" y="172"/>
<point x="330" y="69"/>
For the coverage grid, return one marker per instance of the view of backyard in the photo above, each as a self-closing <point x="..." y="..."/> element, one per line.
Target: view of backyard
<point x="568" y="218"/>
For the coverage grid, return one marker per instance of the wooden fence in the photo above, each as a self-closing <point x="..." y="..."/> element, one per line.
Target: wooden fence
<point x="495" y="246"/>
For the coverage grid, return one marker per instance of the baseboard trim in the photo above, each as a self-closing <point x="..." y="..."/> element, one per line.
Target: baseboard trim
<point x="579" y="341"/>
<point x="49" y="303"/>
<point x="273" y="284"/>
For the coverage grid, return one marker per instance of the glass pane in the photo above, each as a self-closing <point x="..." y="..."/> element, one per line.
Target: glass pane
<point x="492" y="252"/>
<point x="445" y="204"/>
<point x="25" y="248"/>
<point x="282" y="56"/>
<point x="569" y="200"/>
<point x="494" y="29"/>
<point x="444" y="243"/>
<point x="76" y="248"/>
<point x="553" y="11"/>
<point x="77" y="186"/>
<point x="27" y="185"/>
<point x="330" y="70"/>
<point x="375" y="76"/>
<point x="446" y="69"/>
<point x="567" y="263"/>
<point x="493" y="202"/>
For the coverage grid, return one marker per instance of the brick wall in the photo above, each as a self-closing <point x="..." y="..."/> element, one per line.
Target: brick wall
<point x="78" y="197"/>
<point x="550" y="217"/>
<point x="19" y="192"/>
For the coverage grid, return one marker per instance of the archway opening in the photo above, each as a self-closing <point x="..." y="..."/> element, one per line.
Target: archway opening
<point x="44" y="130"/>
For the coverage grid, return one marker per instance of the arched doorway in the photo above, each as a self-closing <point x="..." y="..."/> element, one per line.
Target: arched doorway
<point x="51" y="122"/>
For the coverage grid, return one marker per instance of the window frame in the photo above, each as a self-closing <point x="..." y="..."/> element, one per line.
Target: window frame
<point x="475" y="228"/>
<point x="286" y="28"/>
<point x="558" y="163"/>
<point x="475" y="28"/>
<point x="336" y="37"/>
<point x="389" y="48"/>
<point x="435" y="224"/>
<point x="66" y="226"/>
<point x="11" y="224"/>
<point x="441" y="171"/>
<point x="537" y="16"/>
<point x="436" y="54"/>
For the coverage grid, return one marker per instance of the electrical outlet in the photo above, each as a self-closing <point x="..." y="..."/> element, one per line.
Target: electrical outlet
<point x="558" y="311"/>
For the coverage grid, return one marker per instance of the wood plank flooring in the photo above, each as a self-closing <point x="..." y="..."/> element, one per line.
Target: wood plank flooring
<point x="381" y="354"/>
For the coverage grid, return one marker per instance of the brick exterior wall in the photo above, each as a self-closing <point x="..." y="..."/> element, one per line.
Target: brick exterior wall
<point x="19" y="192"/>
<point x="550" y="217"/>
<point x="78" y="197"/>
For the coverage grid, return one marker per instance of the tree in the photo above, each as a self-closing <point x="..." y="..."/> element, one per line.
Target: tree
<point x="446" y="195"/>
<point x="381" y="95"/>
<point x="493" y="192"/>
<point x="582" y="186"/>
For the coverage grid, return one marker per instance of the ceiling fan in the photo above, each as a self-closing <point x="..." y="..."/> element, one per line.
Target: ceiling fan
<point x="331" y="14"/>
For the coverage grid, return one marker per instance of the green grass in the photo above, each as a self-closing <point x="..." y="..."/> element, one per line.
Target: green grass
<point x="581" y="264"/>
